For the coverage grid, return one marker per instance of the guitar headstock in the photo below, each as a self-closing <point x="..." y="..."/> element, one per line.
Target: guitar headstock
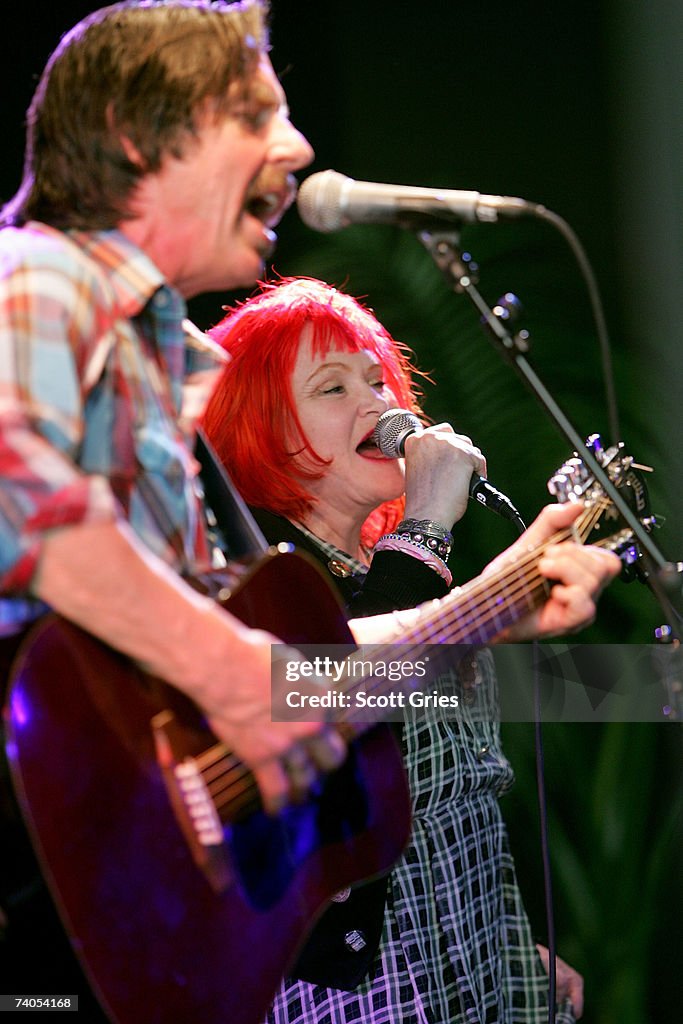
<point x="603" y="524"/>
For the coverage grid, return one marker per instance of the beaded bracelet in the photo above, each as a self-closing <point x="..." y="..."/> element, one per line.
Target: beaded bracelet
<point x="426" y="531"/>
<point x="395" y="542"/>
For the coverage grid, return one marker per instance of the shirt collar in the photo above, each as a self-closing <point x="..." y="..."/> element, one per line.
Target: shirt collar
<point x="133" y="276"/>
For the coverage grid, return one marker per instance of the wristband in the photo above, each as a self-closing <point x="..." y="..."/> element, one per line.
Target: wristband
<point x="397" y="542"/>
<point x="425" y="531"/>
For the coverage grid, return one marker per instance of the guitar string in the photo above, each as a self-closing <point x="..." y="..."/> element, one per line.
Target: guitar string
<point x="236" y="788"/>
<point x="225" y="772"/>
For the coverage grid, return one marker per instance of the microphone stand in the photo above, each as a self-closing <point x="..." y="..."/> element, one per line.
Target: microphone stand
<point x="665" y="578"/>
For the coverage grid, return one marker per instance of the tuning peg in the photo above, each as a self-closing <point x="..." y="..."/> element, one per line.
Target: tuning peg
<point x="508" y="308"/>
<point x="594" y="443"/>
<point x="558" y="485"/>
<point x="564" y="487"/>
<point x="570" y="481"/>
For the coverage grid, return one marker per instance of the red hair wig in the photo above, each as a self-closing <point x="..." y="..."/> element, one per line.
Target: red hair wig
<point x="251" y="418"/>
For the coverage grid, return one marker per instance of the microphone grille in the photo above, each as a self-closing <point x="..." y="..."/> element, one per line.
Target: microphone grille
<point x="319" y="200"/>
<point x="391" y="430"/>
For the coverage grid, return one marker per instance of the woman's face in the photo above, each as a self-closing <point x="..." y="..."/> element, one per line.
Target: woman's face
<point x="339" y="397"/>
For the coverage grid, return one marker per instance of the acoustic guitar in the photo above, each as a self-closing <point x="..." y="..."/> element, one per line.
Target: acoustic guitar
<point x="184" y="901"/>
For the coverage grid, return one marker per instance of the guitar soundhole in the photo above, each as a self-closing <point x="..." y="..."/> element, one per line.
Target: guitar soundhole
<point x="268" y="851"/>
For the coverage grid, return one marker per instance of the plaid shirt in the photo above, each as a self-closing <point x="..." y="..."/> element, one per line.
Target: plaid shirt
<point x="93" y="360"/>
<point x="456" y="945"/>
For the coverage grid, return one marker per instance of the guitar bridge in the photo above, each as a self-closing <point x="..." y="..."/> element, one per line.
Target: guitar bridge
<point x="192" y="803"/>
<point x="198" y="803"/>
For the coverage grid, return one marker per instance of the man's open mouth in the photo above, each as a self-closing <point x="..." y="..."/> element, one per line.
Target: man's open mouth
<point x="269" y="205"/>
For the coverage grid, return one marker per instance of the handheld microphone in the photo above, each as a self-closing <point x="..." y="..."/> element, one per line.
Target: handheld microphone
<point x="395" y="425"/>
<point x="328" y="201"/>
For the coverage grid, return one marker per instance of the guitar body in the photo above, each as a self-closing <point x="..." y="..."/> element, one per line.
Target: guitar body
<point x="191" y="923"/>
<point x="159" y="942"/>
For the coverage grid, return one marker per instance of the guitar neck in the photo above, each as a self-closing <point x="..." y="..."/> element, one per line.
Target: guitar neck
<point x="471" y="615"/>
<point x="477" y="612"/>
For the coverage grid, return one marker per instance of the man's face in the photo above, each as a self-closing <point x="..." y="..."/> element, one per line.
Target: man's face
<point x="206" y="219"/>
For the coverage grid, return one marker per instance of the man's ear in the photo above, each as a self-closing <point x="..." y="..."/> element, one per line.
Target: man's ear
<point x="127" y="145"/>
<point x="131" y="151"/>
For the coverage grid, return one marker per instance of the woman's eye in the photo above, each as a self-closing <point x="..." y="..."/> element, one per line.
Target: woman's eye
<point x="334" y="389"/>
<point x="378" y="384"/>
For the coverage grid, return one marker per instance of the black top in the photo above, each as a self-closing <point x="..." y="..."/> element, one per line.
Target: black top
<point x="394" y="580"/>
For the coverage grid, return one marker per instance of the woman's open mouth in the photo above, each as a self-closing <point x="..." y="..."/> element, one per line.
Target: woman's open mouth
<point x="368" y="449"/>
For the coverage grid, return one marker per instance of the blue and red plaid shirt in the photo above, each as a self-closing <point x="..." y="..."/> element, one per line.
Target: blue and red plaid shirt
<point x="93" y="362"/>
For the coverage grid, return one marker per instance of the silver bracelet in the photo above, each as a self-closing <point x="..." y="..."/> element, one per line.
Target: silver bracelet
<point x="425" y="531"/>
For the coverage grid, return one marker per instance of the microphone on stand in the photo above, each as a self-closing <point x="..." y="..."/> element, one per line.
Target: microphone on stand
<point x="328" y="201"/>
<point x="395" y="425"/>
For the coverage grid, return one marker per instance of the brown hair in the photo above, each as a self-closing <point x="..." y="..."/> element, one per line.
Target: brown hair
<point x="140" y="69"/>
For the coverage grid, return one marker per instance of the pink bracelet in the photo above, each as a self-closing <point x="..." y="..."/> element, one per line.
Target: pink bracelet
<point x="393" y="542"/>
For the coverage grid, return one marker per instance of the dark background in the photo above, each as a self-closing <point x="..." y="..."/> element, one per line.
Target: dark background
<point x="576" y="106"/>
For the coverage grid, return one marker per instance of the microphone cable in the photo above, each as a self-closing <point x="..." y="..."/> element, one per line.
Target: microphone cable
<point x="583" y="263"/>
<point x="542" y="803"/>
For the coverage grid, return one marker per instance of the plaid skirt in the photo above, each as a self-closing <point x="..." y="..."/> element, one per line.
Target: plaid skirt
<point x="456" y="946"/>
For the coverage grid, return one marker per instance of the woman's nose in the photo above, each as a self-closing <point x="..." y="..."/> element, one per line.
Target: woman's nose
<point x="373" y="399"/>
